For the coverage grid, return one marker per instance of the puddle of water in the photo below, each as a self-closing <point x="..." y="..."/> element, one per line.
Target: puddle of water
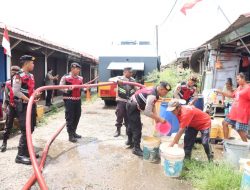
<point x="100" y="166"/>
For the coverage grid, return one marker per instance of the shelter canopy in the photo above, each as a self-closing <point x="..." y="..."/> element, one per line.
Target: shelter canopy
<point x="137" y="66"/>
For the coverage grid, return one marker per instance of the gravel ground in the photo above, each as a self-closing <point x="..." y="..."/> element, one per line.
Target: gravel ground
<point x="97" y="161"/>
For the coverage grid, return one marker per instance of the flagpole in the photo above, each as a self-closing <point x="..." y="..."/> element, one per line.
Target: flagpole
<point x="8" y="65"/>
<point x="236" y="32"/>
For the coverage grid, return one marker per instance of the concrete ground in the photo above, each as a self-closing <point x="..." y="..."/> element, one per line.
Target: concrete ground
<point x="97" y="162"/>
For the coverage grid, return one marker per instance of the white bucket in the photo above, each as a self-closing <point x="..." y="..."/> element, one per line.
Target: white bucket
<point x="234" y="150"/>
<point x="165" y="141"/>
<point x="173" y="162"/>
<point x="242" y="163"/>
<point x="163" y="147"/>
<point x="245" y="182"/>
<point x="151" y="149"/>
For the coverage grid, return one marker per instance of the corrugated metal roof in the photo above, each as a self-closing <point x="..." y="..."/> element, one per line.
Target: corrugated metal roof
<point x="241" y="21"/>
<point x="137" y="66"/>
<point x="29" y="37"/>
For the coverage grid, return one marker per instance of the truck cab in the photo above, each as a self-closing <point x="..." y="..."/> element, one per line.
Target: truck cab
<point x="139" y="55"/>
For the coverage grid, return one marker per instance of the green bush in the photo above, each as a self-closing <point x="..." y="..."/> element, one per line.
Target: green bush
<point x="211" y="176"/>
<point x="171" y="75"/>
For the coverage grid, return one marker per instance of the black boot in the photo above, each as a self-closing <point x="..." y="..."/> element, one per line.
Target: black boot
<point x="118" y="132"/>
<point x="4" y="146"/>
<point x="129" y="142"/>
<point x="22" y="157"/>
<point x="137" y="150"/>
<point x="36" y="154"/>
<point x="77" y="136"/>
<point x="210" y="157"/>
<point x="72" y="139"/>
<point x="187" y="155"/>
<point x="23" y="160"/>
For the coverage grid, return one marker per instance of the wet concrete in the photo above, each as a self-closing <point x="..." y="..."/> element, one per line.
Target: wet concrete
<point x="101" y="162"/>
<point x="99" y="166"/>
<point x="98" y="161"/>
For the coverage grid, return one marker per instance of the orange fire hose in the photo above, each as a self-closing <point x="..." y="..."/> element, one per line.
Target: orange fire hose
<point x="38" y="168"/>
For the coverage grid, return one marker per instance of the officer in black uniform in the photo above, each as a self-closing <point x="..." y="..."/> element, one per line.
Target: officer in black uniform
<point x="124" y="92"/>
<point x="9" y="107"/>
<point x="72" y="101"/>
<point x="23" y="88"/>
<point x="143" y="100"/>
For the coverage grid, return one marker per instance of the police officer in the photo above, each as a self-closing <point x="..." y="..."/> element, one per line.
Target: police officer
<point x="123" y="94"/>
<point x="143" y="100"/>
<point x="23" y="88"/>
<point x="72" y="101"/>
<point x="187" y="90"/>
<point x="9" y="107"/>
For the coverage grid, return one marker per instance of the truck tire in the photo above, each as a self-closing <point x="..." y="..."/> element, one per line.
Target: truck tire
<point x="109" y="102"/>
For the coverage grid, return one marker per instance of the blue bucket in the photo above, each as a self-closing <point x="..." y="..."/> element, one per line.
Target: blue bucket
<point x="173" y="161"/>
<point x="151" y="149"/>
<point x="199" y="103"/>
<point x="151" y="154"/>
<point x="173" y="168"/>
<point x="245" y="182"/>
<point x="170" y="117"/>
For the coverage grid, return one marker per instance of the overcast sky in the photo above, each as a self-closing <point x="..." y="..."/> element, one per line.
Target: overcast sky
<point x="92" y="25"/>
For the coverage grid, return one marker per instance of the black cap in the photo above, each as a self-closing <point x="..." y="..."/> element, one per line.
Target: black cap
<point x="165" y="85"/>
<point x="75" y="65"/>
<point x="27" y="58"/>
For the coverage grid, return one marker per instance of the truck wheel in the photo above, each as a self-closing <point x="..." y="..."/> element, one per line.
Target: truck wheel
<point x="109" y="103"/>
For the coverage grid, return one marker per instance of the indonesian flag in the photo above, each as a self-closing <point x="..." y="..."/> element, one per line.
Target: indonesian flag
<point x="6" y="42"/>
<point x="189" y="5"/>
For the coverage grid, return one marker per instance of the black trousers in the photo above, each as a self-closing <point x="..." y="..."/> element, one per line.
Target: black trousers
<point x="72" y="115"/>
<point x="134" y="122"/>
<point x="10" y="115"/>
<point x="189" y="140"/>
<point x="48" y="97"/>
<point x="121" y="114"/>
<point x="21" y="112"/>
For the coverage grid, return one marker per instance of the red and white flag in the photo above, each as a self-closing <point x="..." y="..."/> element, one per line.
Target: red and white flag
<point x="189" y="5"/>
<point x="6" y="42"/>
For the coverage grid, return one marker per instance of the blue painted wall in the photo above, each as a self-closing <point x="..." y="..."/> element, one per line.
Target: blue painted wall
<point x="2" y="72"/>
<point x="2" y="66"/>
<point x="150" y="64"/>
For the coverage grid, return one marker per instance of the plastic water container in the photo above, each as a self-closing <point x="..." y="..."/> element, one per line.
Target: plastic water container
<point x="173" y="161"/>
<point x="163" y="147"/>
<point x="170" y="117"/>
<point x="200" y="102"/>
<point x="151" y="149"/>
<point x="242" y="163"/>
<point x="245" y="182"/>
<point x="163" y="128"/>
<point x="234" y="150"/>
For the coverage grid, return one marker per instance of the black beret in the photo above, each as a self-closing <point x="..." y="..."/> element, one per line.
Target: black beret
<point x="27" y="58"/>
<point x="165" y="85"/>
<point x="75" y="65"/>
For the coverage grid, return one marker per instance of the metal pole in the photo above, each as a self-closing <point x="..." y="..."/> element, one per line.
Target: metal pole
<point x="157" y="41"/>
<point x="45" y="62"/>
<point x="8" y="65"/>
<point x="45" y="67"/>
<point x="236" y="32"/>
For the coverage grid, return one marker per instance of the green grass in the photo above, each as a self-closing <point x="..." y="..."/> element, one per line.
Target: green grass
<point x="44" y="120"/>
<point x="211" y="176"/>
